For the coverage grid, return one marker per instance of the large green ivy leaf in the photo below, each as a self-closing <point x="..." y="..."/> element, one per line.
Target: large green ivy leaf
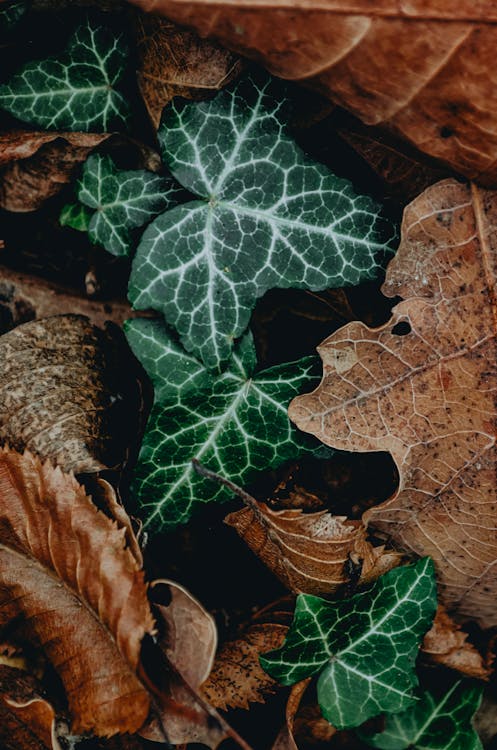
<point x="76" y="90"/>
<point x="364" y="647"/>
<point x="434" y="722"/>
<point x="235" y="423"/>
<point x="267" y="216"/>
<point x="122" y="200"/>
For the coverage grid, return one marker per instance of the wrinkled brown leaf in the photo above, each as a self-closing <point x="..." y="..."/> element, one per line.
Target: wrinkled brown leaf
<point x="303" y="724"/>
<point x="27" y="719"/>
<point x="75" y="590"/>
<point x="428" y="396"/>
<point x="176" y="62"/>
<point x="445" y="643"/>
<point x="415" y="69"/>
<point x="237" y="679"/>
<point x="61" y="393"/>
<point x="286" y="738"/>
<point x="24" y="298"/>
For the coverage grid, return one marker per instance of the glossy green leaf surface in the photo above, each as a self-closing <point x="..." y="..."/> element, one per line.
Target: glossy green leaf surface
<point x="77" y="89"/>
<point x="76" y="216"/>
<point x="266" y="216"/>
<point x="364" y="647"/>
<point x="235" y="423"/>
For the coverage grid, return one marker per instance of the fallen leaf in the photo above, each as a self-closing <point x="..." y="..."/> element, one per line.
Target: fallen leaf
<point x="36" y="166"/>
<point x="27" y="718"/>
<point x="67" y="406"/>
<point x="422" y="387"/>
<point x="176" y="62"/>
<point x="76" y="591"/>
<point x="448" y="645"/>
<point x="24" y="297"/>
<point x="415" y="70"/>
<point x="187" y="643"/>
<point x="237" y="678"/>
<point x="312" y="553"/>
<point x="286" y="738"/>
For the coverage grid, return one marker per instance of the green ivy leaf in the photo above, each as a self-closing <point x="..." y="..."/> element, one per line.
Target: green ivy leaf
<point x="235" y="423"/>
<point x="267" y="216"/>
<point x="11" y="14"/>
<point x="364" y="647"/>
<point x="76" y="216"/>
<point x="434" y="722"/>
<point x="122" y="200"/>
<point x="75" y="91"/>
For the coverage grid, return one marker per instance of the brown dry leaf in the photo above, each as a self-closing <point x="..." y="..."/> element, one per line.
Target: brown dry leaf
<point x="27" y="718"/>
<point x="187" y="645"/>
<point x="286" y="738"/>
<point x="445" y="643"/>
<point x="237" y="679"/>
<point x="176" y="62"/>
<point x="24" y="298"/>
<point x="313" y="553"/>
<point x="305" y="724"/>
<point x="414" y="68"/>
<point x="67" y="406"/>
<point x="75" y="590"/>
<point x="36" y="166"/>
<point x="422" y="387"/>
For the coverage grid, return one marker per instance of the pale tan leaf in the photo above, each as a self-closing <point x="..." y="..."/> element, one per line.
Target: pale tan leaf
<point x="176" y="62"/>
<point x="422" y="69"/>
<point x="447" y="644"/>
<point x="72" y="587"/>
<point x="66" y="404"/>
<point x="423" y="387"/>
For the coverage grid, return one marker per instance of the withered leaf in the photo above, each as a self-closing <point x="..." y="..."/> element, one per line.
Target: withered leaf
<point x="74" y="589"/>
<point x="447" y="644"/>
<point x="286" y="739"/>
<point x="61" y="393"/>
<point x="27" y="718"/>
<point x="422" y="387"/>
<point x="176" y="62"/>
<point x="237" y="678"/>
<point x="415" y="70"/>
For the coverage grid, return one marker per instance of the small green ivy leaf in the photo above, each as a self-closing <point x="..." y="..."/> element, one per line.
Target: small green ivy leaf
<point x="434" y="722"/>
<point x="75" y="91"/>
<point x="11" y="14"/>
<point x="122" y="200"/>
<point x="267" y="216"/>
<point x="364" y="647"/>
<point x="235" y="423"/>
<point x="76" y="216"/>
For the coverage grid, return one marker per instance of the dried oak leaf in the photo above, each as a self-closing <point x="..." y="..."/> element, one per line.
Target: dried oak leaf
<point x="75" y="590"/>
<point x="422" y="387"/>
<point x="36" y="166"/>
<point x="414" y="68"/>
<point x="27" y="718"/>
<point x="176" y="62"/>
<point x="237" y="679"/>
<point x="313" y="553"/>
<point x="445" y="643"/>
<point x="61" y="393"/>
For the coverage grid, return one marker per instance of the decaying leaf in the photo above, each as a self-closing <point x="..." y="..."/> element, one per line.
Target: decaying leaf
<point x="312" y="553"/>
<point x="76" y="591"/>
<point x="447" y="644"/>
<point x="176" y="62"/>
<point x="36" y="166"/>
<point x="67" y="404"/>
<point x="286" y="739"/>
<point x="423" y="387"/>
<point x="413" y="68"/>
<point x="27" y="718"/>
<point x="24" y="298"/>
<point x="237" y="678"/>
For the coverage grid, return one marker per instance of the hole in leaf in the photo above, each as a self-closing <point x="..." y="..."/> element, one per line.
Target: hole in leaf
<point x="402" y="328"/>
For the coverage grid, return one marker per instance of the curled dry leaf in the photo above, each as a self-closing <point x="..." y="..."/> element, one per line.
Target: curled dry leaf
<point x="286" y="739"/>
<point x="68" y="404"/>
<point x="176" y="62"/>
<point x="445" y="643"/>
<point x="76" y="591"/>
<point x="415" y="71"/>
<point x="27" y="718"/>
<point x="422" y="387"/>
